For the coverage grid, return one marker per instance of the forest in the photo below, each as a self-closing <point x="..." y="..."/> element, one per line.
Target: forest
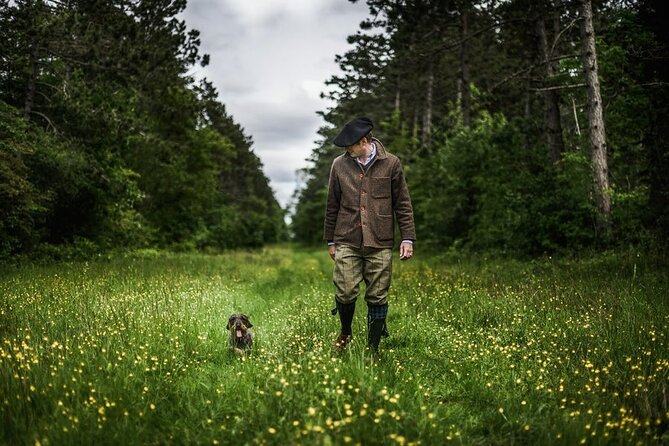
<point x="524" y="127"/>
<point x="107" y="140"/>
<point x="135" y="218"/>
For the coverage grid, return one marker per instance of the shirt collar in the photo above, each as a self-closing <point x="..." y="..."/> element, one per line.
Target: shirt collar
<point x="371" y="156"/>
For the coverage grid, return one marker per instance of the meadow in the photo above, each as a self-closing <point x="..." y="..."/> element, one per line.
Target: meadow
<point x="132" y="349"/>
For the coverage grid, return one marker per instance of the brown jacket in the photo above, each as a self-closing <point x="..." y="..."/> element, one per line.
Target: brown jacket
<point x="362" y="206"/>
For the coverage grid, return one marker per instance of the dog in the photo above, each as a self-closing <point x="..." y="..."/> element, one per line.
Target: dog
<point x="241" y="335"/>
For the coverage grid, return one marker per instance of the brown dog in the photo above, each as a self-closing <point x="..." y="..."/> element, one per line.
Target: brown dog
<point x="241" y="335"/>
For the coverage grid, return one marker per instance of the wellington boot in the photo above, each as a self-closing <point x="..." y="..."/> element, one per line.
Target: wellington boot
<point x="374" y="332"/>
<point x="341" y="342"/>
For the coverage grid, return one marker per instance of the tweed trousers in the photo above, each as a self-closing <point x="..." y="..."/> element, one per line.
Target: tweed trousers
<point x="355" y="265"/>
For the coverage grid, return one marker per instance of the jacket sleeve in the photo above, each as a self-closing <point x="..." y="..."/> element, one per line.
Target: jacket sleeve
<point x="402" y="204"/>
<point x="332" y="206"/>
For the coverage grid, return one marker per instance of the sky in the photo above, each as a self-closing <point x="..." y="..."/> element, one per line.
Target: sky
<point x="269" y="62"/>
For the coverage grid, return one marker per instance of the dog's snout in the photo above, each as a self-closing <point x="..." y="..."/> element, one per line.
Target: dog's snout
<point x="238" y="324"/>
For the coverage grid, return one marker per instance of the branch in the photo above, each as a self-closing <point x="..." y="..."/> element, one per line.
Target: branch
<point x="46" y="84"/>
<point x="563" y="87"/>
<point x="47" y="98"/>
<point x="654" y="84"/>
<point x="480" y="31"/>
<point x="46" y="118"/>
<point x="530" y="68"/>
<point x="562" y="31"/>
<point x="458" y="43"/>
<point x="558" y="87"/>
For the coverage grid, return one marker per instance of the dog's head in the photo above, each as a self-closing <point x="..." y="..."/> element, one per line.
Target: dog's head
<point x="238" y="324"/>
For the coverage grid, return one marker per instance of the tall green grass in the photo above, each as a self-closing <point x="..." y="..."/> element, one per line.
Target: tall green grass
<point x="133" y="350"/>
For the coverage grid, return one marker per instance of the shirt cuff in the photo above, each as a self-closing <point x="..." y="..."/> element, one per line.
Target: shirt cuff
<point x="407" y="241"/>
<point x="331" y="242"/>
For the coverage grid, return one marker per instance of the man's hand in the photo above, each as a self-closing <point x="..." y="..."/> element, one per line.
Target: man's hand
<point x="332" y="249"/>
<point x="406" y="250"/>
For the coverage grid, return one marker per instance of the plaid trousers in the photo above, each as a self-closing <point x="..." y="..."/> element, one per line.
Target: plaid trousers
<point x="353" y="265"/>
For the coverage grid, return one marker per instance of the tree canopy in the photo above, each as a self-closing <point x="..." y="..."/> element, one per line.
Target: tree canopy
<point x="486" y="103"/>
<point x="523" y="126"/>
<point x="107" y="140"/>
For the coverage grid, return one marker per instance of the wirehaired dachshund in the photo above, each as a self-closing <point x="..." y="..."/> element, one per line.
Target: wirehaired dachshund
<point x="241" y="335"/>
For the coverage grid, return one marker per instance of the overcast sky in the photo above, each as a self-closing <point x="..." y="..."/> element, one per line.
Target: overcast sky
<point x="269" y="62"/>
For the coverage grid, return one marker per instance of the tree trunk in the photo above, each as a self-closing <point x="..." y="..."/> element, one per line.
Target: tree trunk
<point x="595" y="117"/>
<point x="427" y="111"/>
<point x="29" y="100"/>
<point x="464" y="93"/>
<point x="527" y="97"/>
<point x="414" y="132"/>
<point x="551" y="97"/>
<point x="397" y="97"/>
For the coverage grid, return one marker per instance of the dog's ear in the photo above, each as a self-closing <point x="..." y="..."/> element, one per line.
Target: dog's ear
<point x="247" y="322"/>
<point x="230" y="321"/>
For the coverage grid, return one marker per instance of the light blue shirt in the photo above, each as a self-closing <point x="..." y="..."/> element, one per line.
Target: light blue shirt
<point x="371" y="156"/>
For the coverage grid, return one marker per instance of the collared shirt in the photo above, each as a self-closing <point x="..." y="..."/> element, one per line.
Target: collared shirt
<point x="371" y="156"/>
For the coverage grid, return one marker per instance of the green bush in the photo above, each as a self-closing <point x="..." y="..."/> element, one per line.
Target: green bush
<point x="487" y="187"/>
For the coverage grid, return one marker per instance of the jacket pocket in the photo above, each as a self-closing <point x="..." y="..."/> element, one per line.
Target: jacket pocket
<point x="346" y="223"/>
<point x="384" y="229"/>
<point x="380" y="187"/>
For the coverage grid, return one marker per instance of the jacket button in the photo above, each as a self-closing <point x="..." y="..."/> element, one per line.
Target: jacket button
<point x="362" y="176"/>
<point x="362" y="209"/>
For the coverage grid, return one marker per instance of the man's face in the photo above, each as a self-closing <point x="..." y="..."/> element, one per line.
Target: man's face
<point x="357" y="149"/>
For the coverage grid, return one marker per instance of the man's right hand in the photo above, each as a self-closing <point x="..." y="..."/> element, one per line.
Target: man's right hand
<point x="332" y="249"/>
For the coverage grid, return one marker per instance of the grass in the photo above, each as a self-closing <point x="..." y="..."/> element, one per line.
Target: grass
<point x="133" y="350"/>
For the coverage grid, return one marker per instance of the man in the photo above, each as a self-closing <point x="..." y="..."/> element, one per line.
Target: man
<point x="367" y="192"/>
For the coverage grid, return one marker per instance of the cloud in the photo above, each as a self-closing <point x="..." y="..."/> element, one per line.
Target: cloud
<point x="264" y="12"/>
<point x="269" y="61"/>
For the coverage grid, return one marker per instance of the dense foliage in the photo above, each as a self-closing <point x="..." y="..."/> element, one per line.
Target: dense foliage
<point x="107" y="140"/>
<point x="485" y="103"/>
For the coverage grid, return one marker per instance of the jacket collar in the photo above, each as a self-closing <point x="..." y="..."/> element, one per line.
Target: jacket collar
<point x="380" y="150"/>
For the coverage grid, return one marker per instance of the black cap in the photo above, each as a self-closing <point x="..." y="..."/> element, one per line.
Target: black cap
<point x="353" y="132"/>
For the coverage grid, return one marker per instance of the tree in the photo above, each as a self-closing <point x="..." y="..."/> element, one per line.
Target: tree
<point x="595" y="117"/>
<point x="547" y="58"/>
<point x="139" y="154"/>
<point x="511" y="170"/>
<point x="464" y="90"/>
<point x="654" y="73"/>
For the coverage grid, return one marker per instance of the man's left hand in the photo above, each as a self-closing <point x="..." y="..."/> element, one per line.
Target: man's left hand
<point x="406" y="250"/>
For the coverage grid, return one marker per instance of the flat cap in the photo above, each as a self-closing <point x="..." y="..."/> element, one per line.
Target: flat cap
<point x="353" y="132"/>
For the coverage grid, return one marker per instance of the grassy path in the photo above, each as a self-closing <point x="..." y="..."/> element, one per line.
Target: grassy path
<point x="133" y="351"/>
